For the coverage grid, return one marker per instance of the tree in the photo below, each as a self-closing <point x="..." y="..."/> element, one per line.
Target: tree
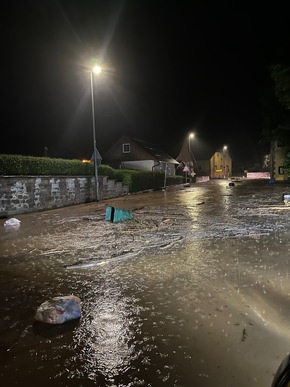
<point x="281" y="77"/>
<point x="275" y="103"/>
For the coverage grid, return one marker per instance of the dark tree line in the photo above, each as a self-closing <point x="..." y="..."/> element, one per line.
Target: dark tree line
<point x="275" y="96"/>
<point x="277" y="115"/>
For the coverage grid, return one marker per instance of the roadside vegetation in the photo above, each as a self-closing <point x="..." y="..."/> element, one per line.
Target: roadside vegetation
<point x="17" y="165"/>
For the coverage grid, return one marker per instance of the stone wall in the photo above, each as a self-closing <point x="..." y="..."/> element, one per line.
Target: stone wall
<point x="23" y="194"/>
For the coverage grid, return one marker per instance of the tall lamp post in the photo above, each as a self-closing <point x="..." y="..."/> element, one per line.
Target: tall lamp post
<point x="191" y="135"/>
<point x="224" y="163"/>
<point x="95" y="70"/>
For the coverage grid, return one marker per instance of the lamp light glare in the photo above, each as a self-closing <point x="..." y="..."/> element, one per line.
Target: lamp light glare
<point x="97" y="70"/>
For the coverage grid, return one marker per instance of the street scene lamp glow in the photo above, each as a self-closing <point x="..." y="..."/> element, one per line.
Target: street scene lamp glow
<point x="97" y="70"/>
<point x="224" y="161"/>
<point x="191" y="135"/>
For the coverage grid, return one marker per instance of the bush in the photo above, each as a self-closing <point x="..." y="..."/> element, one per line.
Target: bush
<point x="29" y="165"/>
<point x="44" y="166"/>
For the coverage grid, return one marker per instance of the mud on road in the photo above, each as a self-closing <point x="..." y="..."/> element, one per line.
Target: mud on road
<point x="162" y="221"/>
<point x="198" y="272"/>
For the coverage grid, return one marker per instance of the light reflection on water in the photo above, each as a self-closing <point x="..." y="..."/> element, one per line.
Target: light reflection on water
<point x="105" y="335"/>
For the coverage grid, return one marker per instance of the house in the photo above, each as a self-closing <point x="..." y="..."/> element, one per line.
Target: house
<point x="130" y="153"/>
<point x="186" y="159"/>
<point x="218" y="167"/>
<point x="202" y="168"/>
<point x="277" y="155"/>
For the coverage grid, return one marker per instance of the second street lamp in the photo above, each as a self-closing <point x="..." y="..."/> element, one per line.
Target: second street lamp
<point x="225" y="148"/>
<point x="190" y="163"/>
<point x="96" y="70"/>
<point x="189" y="148"/>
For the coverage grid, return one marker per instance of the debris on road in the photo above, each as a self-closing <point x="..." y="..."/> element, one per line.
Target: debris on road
<point x="244" y="334"/>
<point x="12" y="222"/>
<point x="286" y="199"/>
<point x="230" y="185"/>
<point x="115" y="214"/>
<point x="59" y="309"/>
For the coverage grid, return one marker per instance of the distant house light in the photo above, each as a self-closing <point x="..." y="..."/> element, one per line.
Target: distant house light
<point x="126" y="148"/>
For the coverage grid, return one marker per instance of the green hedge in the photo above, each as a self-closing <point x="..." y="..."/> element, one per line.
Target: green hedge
<point x="138" y="180"/>
<point x="28" y="165"/>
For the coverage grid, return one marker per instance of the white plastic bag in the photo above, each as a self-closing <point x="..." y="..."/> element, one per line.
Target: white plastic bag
<point x="59" y="310"/>
<point x="12" y="222"/>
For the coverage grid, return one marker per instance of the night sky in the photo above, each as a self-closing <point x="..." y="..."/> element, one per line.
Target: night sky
<point x="170" y="68"/>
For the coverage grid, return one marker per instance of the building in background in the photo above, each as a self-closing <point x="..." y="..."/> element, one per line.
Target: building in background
<point x="219" y="166"/>
<point x="277" y="155"/>
<point x="187" y="159"/>
<point x="130" y="153"/>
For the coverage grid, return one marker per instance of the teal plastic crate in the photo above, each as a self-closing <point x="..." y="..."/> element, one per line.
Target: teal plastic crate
<point x="114" y="214"/>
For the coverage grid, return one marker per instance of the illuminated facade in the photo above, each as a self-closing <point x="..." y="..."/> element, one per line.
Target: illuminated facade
<point x="277" y="155"/>
<point x="218" y="167"/>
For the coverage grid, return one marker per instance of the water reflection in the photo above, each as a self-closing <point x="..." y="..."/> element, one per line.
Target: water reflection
<point x="105" y="337"/>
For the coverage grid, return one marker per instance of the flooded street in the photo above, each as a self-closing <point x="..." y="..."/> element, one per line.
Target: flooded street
<point x="193" y="291"/>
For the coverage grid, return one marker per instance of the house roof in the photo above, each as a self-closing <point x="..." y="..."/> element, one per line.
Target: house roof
<point x="185" y="154"/>
<point x="143" y="151"/>
<point x="157" y="154"/>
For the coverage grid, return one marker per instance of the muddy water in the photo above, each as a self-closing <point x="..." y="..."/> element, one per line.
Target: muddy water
<point x="194" y="291"/>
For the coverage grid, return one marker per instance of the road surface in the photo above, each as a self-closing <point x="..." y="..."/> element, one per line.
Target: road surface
<point x="193" y="291"/>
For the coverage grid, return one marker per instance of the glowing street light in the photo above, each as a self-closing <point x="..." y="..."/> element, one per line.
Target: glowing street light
<point x="225" y="148"/>
<point x="95" y="70"/>
<point x="191" y="135"/>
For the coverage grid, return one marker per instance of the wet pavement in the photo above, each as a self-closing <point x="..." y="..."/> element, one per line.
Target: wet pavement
<point x="193" y="291"/>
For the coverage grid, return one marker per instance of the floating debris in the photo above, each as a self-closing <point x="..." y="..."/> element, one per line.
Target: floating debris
<point x="115" y="214"/>
<point x="59" y="310"/>
<point x="286" y="199"/>
<point x="12" y="222"/>
<point x="244" y="334"/>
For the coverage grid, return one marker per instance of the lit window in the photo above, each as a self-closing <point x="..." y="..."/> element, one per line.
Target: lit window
<point x="126" y="148"/>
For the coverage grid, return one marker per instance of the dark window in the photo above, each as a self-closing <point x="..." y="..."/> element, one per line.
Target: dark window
<point x="126" y="148"/>
<point x="281" y="170"/>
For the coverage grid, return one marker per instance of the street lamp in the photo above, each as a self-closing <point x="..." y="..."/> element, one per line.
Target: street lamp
<point x="224" y="163"/>
<point x="189" y="137"/>
<point x="95" y="70"/>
